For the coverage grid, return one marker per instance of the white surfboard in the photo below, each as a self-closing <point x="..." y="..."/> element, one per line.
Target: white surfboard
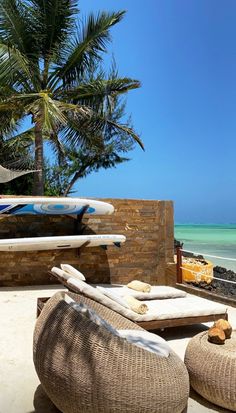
<point x="52" y="206"/>
<point x="61" y="242"/>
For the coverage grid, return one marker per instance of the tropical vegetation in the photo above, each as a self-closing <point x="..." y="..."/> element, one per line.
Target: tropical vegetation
<point x="51" y="73"/>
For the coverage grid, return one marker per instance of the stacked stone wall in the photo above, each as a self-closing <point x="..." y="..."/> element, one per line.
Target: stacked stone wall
<point x="146" y="255"/>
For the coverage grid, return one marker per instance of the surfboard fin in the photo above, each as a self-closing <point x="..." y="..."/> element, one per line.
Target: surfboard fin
<point x="117" y="244"/>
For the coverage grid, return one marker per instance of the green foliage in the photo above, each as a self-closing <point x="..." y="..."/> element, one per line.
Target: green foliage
<point x="20" y="186"/>
<point x="51" y="71"/>
<point x="56" y="180"/>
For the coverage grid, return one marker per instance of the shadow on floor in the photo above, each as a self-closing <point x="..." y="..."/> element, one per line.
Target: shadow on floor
<point x="175" y="333"/>
<point x="42" y="404"/>
<point x="40" y="287"/>
<point x="201" y="401"/>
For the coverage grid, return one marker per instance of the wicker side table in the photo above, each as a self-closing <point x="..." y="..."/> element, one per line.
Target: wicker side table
<point x="212" y="369"/>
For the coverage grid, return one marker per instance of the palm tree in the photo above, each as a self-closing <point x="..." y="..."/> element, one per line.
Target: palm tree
<point x="45" y="63"/>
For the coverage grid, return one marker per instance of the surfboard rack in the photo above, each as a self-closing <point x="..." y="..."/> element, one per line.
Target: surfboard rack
<point x="81" y="248"/>
<point x="79" y="227"/>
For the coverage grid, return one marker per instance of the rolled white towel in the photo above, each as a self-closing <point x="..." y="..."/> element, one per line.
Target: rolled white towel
<point x="139" y="286"/>
<point x="136" y="305"/>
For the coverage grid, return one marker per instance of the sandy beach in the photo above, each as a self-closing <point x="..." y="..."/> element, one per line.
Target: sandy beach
<point x="20" y="390"/>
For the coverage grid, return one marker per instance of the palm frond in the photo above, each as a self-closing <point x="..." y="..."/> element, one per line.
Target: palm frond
<point x="6" y="91"/>
<point x="11" y="116"/>
<point x="21" y="141"/>
<point x="15" y="151"/>
<point x="54" y="21"/>
<point x="51" y="114"/>
<point x="125" y="129"/>
<point x="14" y="68"/>
<point x="86" y="48"/>
<point x="16" y="27"/>
<point x="81" y="131"/>
<point x="56" y="145"/>
<point x="95" y="129"/>
<point x="97" y="90"/>
<point x="14" y="106"/>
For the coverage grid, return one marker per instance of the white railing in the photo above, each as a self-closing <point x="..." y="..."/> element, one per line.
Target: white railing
<point x="199" y="274"/>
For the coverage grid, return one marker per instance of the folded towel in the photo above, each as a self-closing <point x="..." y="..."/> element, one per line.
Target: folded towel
<point x="139" y="286"/>
<point x="136" y="305"/>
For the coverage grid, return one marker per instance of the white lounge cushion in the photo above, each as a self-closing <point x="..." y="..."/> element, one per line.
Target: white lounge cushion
<point x="157" y="291"/>
<point x="113" y="296"/>
<point x="189" y="306"/>
<point x="148" y="341"/>
<point x="140" y="338"/>
<point x="73" y="272"/>
<point x="61" y="274"/>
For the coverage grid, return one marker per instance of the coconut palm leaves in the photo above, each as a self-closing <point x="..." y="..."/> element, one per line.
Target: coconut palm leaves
<point x="86" y="47"/>
<point x="47" y="73"/>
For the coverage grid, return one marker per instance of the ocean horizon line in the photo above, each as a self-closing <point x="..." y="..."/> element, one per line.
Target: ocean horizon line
<point x="204" y="223"/>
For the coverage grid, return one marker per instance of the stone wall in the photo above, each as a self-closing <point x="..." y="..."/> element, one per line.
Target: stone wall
<point x="146" y="255"/>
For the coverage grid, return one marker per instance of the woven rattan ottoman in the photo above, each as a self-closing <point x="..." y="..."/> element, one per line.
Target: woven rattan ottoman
<point x="212" y="369"/>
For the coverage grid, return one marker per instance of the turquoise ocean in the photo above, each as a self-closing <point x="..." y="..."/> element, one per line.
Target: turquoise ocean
<point x="219" y="240"/>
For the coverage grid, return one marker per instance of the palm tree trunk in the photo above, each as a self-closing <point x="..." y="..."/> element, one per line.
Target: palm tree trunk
<point x="77" y="175"/>
<point x="71" y="183"/>
<point x="38" y="188"/>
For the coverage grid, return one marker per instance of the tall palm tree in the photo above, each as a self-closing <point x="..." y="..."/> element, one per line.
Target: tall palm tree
<point x="46" y="58"/>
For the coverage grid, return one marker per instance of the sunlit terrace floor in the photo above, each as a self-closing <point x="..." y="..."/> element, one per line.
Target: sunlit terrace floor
<point x="19" y="386"/>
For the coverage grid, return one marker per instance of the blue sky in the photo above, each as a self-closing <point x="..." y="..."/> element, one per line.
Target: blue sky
<point x="184" y="53"/>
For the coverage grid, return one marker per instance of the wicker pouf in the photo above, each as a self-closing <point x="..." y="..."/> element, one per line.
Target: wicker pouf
<point x="212" y="369"/>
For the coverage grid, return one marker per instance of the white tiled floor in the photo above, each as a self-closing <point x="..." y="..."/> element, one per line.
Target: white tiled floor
<point x="19" y="385"/>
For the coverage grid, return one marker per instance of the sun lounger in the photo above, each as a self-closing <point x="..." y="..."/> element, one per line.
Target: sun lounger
<point x="162" y="313"/>
<point x="157" y="292"/>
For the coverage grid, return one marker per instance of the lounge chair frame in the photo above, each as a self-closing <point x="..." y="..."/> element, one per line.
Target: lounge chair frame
<point x="150" y="325"/>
